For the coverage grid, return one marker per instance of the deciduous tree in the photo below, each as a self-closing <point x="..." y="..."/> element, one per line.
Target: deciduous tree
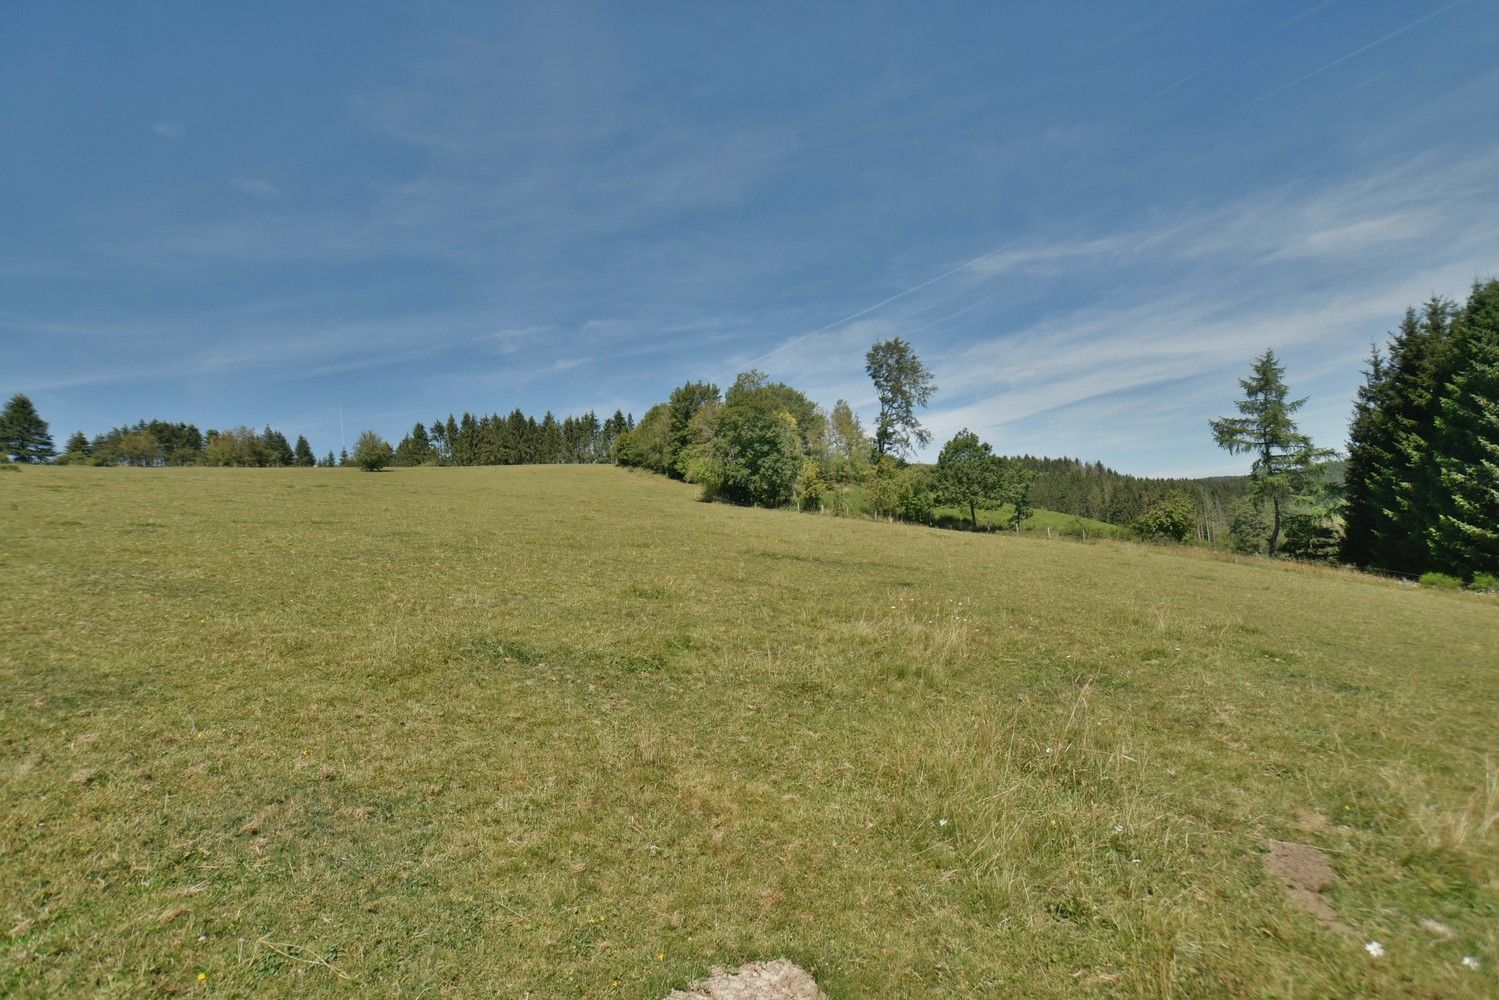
<point x="969" y="474"/>
<point x="372" y="452"/>
<point x="903" y="383"/>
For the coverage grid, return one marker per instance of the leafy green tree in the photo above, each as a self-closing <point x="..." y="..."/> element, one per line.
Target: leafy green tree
<point x="303" y="452"/>
<point x="903" y="383"/>
<point x="969" y="474"/>
<point x="140" y="448"/>
<point x="1248" y="526"/>
<point x="897" y="490"/>
<point x="1465" y="536"/>
<point x="1286" y="463"/>
<point x="1173" y="517"/>
<point x="849" y="448"/>
<point x="756" y="445"/>
<point x="682" y="405"/>
<point x="649" y="444"/>
<point x="372" y="452"/>
<point x="1018" y="483"/>
<point x="23" y="432"/>
<point x="236" y="446"/>
<point x="696" y="457"/>
<point x="810" y="488"/>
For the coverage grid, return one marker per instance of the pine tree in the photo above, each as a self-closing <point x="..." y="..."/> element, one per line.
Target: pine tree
<point x="1286" y="463"/>
<point x="303" y="452"/>
<point x="78" y="446"/>
<point x="1465" y="535"/>
<point x="415" y="448"/>
<point x="1363" y="518"/>
<point x="1404" y="482"/>
<point x="450" y="435"/>
<point x="23" y="432"/>
<point x="278" y="450"/>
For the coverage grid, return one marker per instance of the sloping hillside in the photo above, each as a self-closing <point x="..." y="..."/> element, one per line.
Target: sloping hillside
<point x="569" y="732"/>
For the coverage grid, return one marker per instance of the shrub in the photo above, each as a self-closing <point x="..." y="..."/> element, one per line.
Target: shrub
<point x="1310" y="535"/>
<point x="810" y="488"/>
<point x="1441" y="581"/>
<point x="1248" y="528"/>
<point x="1175" y="518"/>
<point x="1486" y="582"/>
<point x="372" y="453"/>
<point x="899" y="491"/>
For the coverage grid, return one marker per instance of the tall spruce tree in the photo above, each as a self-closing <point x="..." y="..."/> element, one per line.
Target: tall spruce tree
<point x="1363" y="518"/>
<point x="278" y="450"/>
<point x="303" y="452"/>
<point x="1465" y="534"/>
<point x="415" y="448"/>
<point x="23" y="432"/>
<point x="1286" y="463"/>
<point x="1405" y="485"/>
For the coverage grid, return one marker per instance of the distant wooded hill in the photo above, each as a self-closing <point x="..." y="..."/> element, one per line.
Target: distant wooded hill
<point x="1092" y="489"/>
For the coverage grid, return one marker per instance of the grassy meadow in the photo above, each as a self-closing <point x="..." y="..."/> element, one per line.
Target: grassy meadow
<point x="566" y="731"/>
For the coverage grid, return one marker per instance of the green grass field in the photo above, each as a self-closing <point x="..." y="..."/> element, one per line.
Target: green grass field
<point x="1042" y="522"/>
<point x="558" y="732"/>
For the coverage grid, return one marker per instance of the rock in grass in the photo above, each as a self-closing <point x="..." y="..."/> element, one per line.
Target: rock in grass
<point x="776" y="980"/>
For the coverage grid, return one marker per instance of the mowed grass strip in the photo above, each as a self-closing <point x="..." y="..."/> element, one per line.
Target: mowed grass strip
<point x="568" y="732"/>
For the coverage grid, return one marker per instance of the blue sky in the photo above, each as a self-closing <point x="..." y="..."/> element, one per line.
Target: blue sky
<point x="1088" y="217"/>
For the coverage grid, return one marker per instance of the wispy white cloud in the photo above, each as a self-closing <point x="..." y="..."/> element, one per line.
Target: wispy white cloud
<point x="258" y="189"/>
<point x="169" y="129"/>
<point x="1185" y="303"/>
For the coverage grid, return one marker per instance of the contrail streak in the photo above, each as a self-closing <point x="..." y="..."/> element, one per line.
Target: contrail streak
<point x="1235" y="51"/>
<point x="1342" y="59"/>
<point x="985" y="256"/>
<point x="881" y="304"/>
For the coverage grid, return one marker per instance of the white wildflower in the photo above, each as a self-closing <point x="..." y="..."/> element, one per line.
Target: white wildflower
<point x="942" y="822"/>
<point x="1375" y="949"/>
<point x="1469" y="962"/>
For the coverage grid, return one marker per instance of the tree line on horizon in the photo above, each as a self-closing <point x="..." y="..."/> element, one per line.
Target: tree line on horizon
<point x="1417" y="494"/>
<point x="489" y="440"/>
